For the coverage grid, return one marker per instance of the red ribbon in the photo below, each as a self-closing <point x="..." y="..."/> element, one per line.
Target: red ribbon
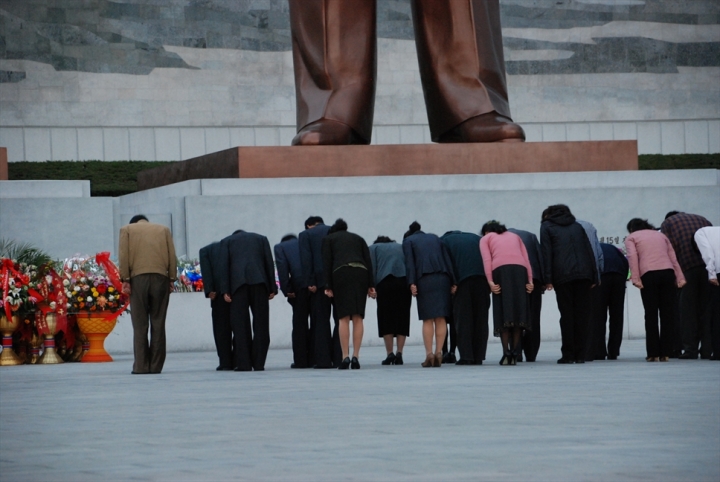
<point x="113" y="273"/>
<point x="57" y="295"/>
<point x="8" y="269"/>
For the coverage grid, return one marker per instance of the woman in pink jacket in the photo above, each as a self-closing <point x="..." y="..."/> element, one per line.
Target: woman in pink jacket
<point x="655" y="270"/>
<point x="509" y="275"/>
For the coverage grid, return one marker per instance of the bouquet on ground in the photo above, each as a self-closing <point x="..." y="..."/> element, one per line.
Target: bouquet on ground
<point x="189" y="278"/>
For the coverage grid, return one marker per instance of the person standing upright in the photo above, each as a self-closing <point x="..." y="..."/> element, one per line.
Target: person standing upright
<point x="569" y="268"/>
<point x="287" y="260"/>
<point x="471" y="301"/>
<point x="222" y="331"/>
<point x="148" y="268"/>
<point x="247" y="281"/>
<point x="680" y="228"/>
<point x="530" y="340"/>
<point x="609" y="297"/>
<point x="313" y="278"/>
<point x="708" y="243"/>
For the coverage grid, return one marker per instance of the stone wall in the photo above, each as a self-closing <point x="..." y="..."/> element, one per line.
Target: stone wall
<point x="174" y="79"/>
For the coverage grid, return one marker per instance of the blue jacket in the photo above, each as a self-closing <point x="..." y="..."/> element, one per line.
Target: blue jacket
<point x="245" y="259"/>
<point x="464" y="249"/>
<point x="615" y="260"/>
<point x="311" y="260"/>
<point x="425" y="254"/>
<point x="287" y="261"/>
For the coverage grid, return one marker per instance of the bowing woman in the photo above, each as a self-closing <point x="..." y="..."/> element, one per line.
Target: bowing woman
<point x="430" y="276"/>
<point x="508" y="271"/>
<point x="346" y="261"/>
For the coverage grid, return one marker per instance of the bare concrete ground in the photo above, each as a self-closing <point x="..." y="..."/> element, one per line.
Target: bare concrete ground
<point x="605" y="421"/>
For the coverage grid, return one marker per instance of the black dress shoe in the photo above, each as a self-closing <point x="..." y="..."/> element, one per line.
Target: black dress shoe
<point x="519" y="358"/>
<point x="355" y="363"/>
<point x="259" y="369"/>
<point x="322" y="367"/>
<point x="565" y="361"/>
<point x="688" y="356"/>
<point x="398" y="358"/>
<point x="223" y="369"/>
<point x="390" y="360"/>
<point x="345" y="364"/>
<point x="580" y="361"/>
<point x="238" y="369"/>
<point x="612" y="357"/>
<point x="449" y="358"/>
<point x="139" y="373"/>
<point x="529" y="360"/>
<point x="464" y="362"/>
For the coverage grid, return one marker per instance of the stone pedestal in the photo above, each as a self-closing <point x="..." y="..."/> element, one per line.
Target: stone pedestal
<point x="4" y="175"/>
<point x="398" y="160"/>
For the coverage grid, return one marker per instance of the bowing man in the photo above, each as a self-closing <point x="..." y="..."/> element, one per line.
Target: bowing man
<point x="222" y="332"/>
<point x="248" y="283"/>
<point x="287" y="260"/>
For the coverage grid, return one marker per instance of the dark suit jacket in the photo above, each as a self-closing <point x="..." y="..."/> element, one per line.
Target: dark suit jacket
<point x="425" y="254"/>
<point x="245" y="259"/>
<point x="341" y="248"/>
<point x="311" y="256"/>
<point x="287" y="260"/>
<point x="532" y="246"/>
<point x="209" y="256"/>
<point x="464" y="249"/>
<point x="615" y="260"/>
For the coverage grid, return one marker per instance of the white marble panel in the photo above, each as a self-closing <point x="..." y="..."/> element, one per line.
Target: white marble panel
<point x="649" y="138"/>
<point x="696" y="137"/>
<point x="142" y="144"/>
<point x="167" y="144"/>
<point x="64" y="144"/>
<point x="601" y="131"/>
<point x="37" y="144"/>
<point x="387" y="135"/>
<point x="286" y="135"/>
<point x="624" y="131"/>
<point x="192" y="142"/>
<point x="672" y="137"/>
<point x="90" y="144"/>
<point x="578" y="132"/>
<point x="412" y="134"/>
<point x="533" y="132"/>
<point x="714" y="136"/>
<point x="116" y="144"/>
<point x="12" y="138"/>
<point x="217" y="139"/>
<point x="242" y="136"/>
<point x="554" y="132"/>
<point x="267" y="136"/>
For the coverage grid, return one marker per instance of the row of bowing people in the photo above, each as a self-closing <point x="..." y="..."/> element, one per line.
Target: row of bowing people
<point x="327" y="273"/>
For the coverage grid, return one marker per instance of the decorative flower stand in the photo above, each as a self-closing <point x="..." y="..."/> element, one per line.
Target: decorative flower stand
<point x="50" y="355"/>
<point x="96" y="327"/>
<point x="8" y="357"/>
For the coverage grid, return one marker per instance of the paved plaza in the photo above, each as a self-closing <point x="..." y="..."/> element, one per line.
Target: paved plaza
<point x="605" y="421"/>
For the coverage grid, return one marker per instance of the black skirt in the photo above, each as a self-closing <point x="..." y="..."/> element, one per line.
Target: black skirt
<point x="393" y="306"/>
<point x="350" y="289"/>
<point x="510" y="307"/>
<point x="433" y="298"/>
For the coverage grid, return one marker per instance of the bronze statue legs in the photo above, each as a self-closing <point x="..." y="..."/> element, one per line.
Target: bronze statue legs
<point x="459" y="45"/>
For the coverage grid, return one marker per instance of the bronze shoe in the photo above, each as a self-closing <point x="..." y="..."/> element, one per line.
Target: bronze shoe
<point x="327" y="132"/>
<point x="438" y="360"/>
<point x="429" y="361"/>
<point x="490" y="127"/>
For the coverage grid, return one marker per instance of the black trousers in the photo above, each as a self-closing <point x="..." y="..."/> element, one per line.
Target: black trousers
<point x="470" y="317"/>
<point x="658" y="295"/>
<point x="715" y="318"/>
<point x="320" y="310"/>
<point x="302" y="341"/>
<point x="573" y="299"/>
<point x="695" y="313"/>
<point x="609" y="297"/>
<point x="530" y="341"/>
<point x="149" y="298"/>
<point x="251" y="340"/>
<point x="222" y="331"/>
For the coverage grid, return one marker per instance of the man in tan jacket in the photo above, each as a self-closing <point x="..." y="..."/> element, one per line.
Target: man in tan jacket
<point x="148" y="268"/>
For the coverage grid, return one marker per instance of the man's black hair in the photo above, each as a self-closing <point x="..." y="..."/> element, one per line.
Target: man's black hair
<point x="138" y="217"/>
<point x="288" y="237"/>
